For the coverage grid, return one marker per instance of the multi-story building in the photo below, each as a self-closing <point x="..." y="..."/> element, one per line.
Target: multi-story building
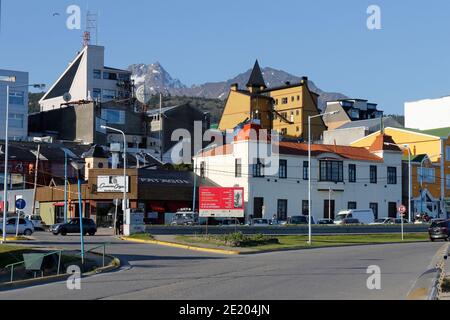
<point x="18" y="104"/>
<point x="350" y="110"/>
<point x="351" y="177"/>
<point x="430" y="151"/>
<point x="285" y="109"/>
<point x="88" y="79"/>
<point x="428" y="114"/>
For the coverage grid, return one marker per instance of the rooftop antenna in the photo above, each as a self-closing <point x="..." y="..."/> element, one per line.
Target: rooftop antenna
<point x="91" y="28"/>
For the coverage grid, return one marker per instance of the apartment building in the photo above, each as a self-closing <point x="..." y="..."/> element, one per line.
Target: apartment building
<point x="18" y="104"/>
<point x="285" y="108"/>
<point x="88" y="79"/>
<point x="342" y="177"/>
<point x="430" y="151"/>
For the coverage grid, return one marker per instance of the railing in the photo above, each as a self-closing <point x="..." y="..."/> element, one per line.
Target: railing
<point x="39" y="257"/>
<point x="43" y="256"/>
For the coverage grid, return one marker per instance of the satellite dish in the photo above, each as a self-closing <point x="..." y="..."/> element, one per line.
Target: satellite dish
<point x="143" y="94"/>
<point x="67" y="97"/>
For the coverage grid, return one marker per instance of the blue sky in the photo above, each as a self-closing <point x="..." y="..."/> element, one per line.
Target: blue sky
<point x="204" y="40"/>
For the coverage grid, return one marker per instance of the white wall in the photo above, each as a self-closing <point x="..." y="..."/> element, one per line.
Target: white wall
<point x="428" y="114"/>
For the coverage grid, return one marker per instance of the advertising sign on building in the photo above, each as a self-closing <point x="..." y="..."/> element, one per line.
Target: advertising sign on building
<point x="112" y="184"/>
<point x="222" y="202"/>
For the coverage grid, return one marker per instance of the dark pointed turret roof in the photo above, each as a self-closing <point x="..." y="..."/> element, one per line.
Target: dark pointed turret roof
<point x="256" y="79"/>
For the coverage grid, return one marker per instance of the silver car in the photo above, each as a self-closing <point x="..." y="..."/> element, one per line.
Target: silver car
<point x="25" y="226"/>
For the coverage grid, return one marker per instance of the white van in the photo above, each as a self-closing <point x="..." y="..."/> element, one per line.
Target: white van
<point x="364" y="216"/>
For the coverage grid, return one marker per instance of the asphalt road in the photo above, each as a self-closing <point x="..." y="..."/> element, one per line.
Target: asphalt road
<point x="155" y="272"/>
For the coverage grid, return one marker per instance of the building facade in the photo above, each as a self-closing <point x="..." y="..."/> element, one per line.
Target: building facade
<point x="285" y="109"/>
<point x="349" y="177"/>
<point x="18" y="104"/>
<point x="433" y="148"/>
<point x="88" y="79"/>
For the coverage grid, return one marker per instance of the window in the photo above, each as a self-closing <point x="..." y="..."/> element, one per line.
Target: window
<point x="352" y="205"/>
<point x="352" y="173"/>
<point x="427" y="175"/>
<point x="276" y="101"/>
<point x="373" y="174"/>
<point x="292" y="99"/>
<point x="298" y="98"/>
<point x="282" y="171"/>
<point x="17" y="97"/>
<point x="96" y="93"/>
<point x="305" y="170"/>
<point x="238" y="168"/>
<point x="282" y="210"/>
<point x="258" y="169"/>
<point x="109" y="76"/>
<point x="331" y="171"/>
<point x="112" y="116"/>
<point x="16" y="120"/>
<point x="124" y="77"/>
<point x="297" y="129"/>
<point x="97" y="74"/>
<point x="284" y="101"/>
<point x="374" y="207"/>
<point x="392" y="175"/>
<point x="202" y="169"/>
<point x="109" y="94"/>
<point x="297" y="112"/>
<point x="284" y="131"/>
<point x="447" y="153"/>
<point x="305" y="207"/>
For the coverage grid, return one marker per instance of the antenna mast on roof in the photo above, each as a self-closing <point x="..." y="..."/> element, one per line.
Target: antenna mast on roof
<point x="91" y="28"/>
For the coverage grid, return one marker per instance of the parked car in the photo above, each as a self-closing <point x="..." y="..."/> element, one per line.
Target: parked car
<point x="325" y="221"/>
<point x="229" y="223"/>
<point x="25" y="226"/>
<point x="439" y="229"/>
<point x="349" y="221"/>
<point x="364" y="216"/>
<point x="258" y="222"/>
<point x="73" y="226"/>
<point x="300" y="220"/>
<point x="383" y="221"/>
<point x="36" y="220"/>
<point x="276" y="222"/>
<point x="184" y="219"/>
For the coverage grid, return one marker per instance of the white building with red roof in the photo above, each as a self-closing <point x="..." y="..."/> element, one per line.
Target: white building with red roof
<point x="274" y="175"/>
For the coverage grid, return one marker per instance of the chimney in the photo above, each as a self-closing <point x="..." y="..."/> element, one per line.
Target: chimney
<point x="304" y="80"/>
<point x="234" y="87"/>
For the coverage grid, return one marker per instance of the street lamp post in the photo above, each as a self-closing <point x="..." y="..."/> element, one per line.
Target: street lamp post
<point x="124" y="205"/>
<point x="5" y="177"/>
<point x="78" y="165"/>
<point x="309" y="172"/>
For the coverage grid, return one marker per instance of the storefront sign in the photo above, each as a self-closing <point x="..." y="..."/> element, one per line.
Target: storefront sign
<point x="222" y="202"/>
<point x="134" y="222"/>
<point x="112" y="184"/>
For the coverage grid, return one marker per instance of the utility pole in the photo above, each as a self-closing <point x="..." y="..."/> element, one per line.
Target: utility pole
<point x="35" y="179"/>
<point x="160" y="126"/>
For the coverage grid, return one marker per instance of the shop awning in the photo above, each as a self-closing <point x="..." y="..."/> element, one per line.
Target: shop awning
<point x="59" y="204"/>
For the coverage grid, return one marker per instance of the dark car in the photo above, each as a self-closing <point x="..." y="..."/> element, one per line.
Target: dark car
<point x="73" y="226"/>
<point x="300" y="220"/>
<point x="348" y="221"/>
<point x="440" y="229"/>
<point x="326" y="222"/>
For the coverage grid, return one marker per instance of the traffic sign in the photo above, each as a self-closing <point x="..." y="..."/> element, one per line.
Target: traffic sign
<point x="402" y="209"/>
<point x="20" y="204"/>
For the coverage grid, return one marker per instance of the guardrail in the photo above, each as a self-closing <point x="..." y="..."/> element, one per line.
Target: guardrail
<point x="40" y="257"/>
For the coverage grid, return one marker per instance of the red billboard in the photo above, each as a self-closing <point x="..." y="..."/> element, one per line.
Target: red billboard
<point x="221" y="202"/>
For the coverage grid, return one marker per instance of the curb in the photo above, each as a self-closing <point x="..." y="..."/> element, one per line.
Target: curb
<point x="113" y="265"/>
<point x="183" y="246"/>
<point x="236" y="252"/>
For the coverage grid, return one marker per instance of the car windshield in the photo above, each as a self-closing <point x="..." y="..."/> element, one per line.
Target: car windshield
<point x="439" y="224"/>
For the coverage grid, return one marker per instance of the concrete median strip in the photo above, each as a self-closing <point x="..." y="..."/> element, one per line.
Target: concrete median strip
<point x="184" y="246"/>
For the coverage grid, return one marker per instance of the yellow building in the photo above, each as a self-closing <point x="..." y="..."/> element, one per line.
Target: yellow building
<point x="285" y="109"/>
<point x="430" y="151"/>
